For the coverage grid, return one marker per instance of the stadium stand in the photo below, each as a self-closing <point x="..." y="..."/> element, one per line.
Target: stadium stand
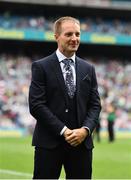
<point x="112" y="62"/>
<point x="88" y="24"/>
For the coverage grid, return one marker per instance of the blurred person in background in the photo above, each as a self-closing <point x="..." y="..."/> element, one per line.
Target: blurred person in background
<point x="96" y="133"/>
<point x="111" y="119"/>
<point x="64" y="100"/>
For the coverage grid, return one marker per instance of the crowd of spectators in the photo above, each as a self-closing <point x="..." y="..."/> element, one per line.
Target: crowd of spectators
<point x="14" y="84"/>
<point x="114" y="79"/>
<point x="88" y="24"/>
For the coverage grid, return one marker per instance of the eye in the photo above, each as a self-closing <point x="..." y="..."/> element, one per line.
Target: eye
<point x="69" y="34"/>
<point x="78" y="34"/>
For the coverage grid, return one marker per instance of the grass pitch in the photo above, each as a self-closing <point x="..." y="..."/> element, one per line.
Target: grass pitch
<point x="111" y="160"/>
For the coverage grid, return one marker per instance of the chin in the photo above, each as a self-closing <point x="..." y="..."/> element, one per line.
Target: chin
<point x="74" y="49"/>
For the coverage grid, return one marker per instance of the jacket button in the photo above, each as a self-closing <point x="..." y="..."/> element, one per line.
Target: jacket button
<point x="66" y="110"/>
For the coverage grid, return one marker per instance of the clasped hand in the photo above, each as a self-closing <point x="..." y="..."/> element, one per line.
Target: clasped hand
<point x="76" y="136"/>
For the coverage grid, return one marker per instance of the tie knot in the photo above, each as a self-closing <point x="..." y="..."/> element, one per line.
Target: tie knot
<point x="67" y="62"/>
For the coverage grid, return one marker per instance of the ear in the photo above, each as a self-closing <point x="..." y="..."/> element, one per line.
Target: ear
<point x="56" y="36"/>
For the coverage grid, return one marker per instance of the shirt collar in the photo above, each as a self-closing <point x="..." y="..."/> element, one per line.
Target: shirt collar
<point x="62" y="57"/>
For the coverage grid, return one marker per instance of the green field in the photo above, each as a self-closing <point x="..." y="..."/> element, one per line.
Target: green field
<point x="111" y="160"/>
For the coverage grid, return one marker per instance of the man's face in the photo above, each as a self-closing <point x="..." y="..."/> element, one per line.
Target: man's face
<point x="69" y="38"/>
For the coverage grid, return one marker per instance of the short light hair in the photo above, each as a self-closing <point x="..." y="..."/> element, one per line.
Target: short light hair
<point x="58" y="23"/>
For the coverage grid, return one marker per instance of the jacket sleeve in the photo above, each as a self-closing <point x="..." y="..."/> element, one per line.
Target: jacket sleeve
<point x="38" y="102"/>
<point x="94" y="105"/>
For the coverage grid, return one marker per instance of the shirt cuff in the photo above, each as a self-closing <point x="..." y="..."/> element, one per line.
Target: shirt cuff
<point x="87" y="129"/>
<point x="63" y="130"/>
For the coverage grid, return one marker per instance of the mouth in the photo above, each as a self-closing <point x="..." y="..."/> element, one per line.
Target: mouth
<point x="74" y="45"/>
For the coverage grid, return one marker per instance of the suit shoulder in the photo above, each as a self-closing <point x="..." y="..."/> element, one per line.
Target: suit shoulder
<point x="45" y="60"/>
<point x="85" y="62"/>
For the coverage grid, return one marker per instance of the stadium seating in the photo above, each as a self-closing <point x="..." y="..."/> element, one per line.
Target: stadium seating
<point x="15" y="74"/>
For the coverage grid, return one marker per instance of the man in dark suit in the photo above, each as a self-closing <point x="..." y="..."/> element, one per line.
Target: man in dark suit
<point x="64" y="100"/>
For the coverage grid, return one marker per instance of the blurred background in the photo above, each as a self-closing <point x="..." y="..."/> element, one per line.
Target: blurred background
<point x="26" y="35"/>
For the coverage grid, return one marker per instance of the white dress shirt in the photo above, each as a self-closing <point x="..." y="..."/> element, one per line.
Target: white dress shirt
<point x="61" y="57"/>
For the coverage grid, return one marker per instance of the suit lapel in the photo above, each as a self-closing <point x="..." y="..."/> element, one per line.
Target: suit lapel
<point x="79" y="75"/>
<point x="58" y="72"/>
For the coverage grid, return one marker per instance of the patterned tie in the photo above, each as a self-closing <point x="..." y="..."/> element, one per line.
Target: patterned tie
<point x="69" y="79"/>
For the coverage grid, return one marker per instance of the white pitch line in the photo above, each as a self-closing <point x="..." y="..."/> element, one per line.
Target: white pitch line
<point x="15" y="172"/>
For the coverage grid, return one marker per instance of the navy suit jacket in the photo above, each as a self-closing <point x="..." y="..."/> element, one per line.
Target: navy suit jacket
<point x="48" y="100"/>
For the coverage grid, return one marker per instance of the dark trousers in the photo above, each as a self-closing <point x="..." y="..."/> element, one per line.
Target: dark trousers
<point x="77" y="162"/>
<point x="111" y="130"/>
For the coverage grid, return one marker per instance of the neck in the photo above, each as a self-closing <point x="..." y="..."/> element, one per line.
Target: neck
<point x="67" y="54"/>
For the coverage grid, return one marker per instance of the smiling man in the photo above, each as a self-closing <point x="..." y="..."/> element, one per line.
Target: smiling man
<point x="67" y="34"/>
<point x="64" y="100"/>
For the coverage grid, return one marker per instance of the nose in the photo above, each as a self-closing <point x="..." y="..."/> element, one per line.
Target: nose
<point x="74" y="37"/>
